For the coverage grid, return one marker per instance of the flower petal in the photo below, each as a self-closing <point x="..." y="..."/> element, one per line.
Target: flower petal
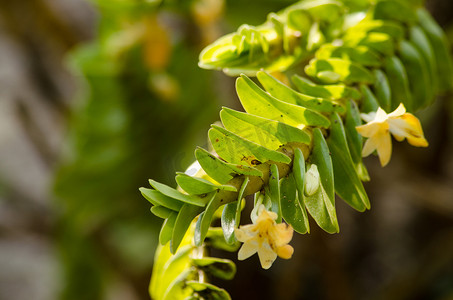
<point x="282" y="234"/>
<point x="368" y="117"/>
<point x="381" y="116"/>
<point x="368" y="148"/>
<point x="285" y="252"/>
<point x="384" y="147"/>
<point x="370" y="129"/>
<point x="267" y="255"/>
<point x="244" y="233"/>
<point x="399" y="111"/>
<point x="248" y="249"/>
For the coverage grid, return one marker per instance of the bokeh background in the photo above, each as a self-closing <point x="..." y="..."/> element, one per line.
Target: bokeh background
<point x="97" y="97"/>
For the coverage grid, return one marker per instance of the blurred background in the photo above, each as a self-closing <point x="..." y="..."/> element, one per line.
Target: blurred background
<point x="97" y="97"/>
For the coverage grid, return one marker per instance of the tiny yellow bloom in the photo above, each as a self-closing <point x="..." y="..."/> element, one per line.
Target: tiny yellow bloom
<point x="379" y="126"/>
<point x="266" y="237"/>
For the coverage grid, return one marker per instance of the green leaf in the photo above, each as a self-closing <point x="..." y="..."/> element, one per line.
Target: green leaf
<point x="348" y="72"/>
<point x="394" y="10"/>
<point x="369" y="101"/>
<point x="159" y="199"/>
<point x="321" y="204"/>
<point x="167" y="228"/>
<point x="221" y="268"/>
<point x="333" y="92"/>
<point x="322" y="209"/>
<point x="231" y="215"/>
<point x="283" y="92"/>
<point x="299" y="20"/>
<point x="379" y="42"/>
<point x="274" y="192"/>
<point x="268" y="133"/>
<point x="178" y="289"/>
<point x="382" y="90"/>
<point x="208" y="291"/>
<point x="320" y="156"/>
<point x="257" y="102"/>
<point x="198" y="186"/>
<point x="361" y="55"/>
<point x="222" y="171"/>
<point x="168" y="270"/>
<point x="161" y="211"/>
<point x="205" y="219"/>
<point x="236" y="149"/>
<point x="216" y="239"/>
<point x="172" y="193"/>
<point x="183" y="220"/>
<point x="315" y="37"/>
<point x="293" y="213"/>
<point x="393" y="29"/>
<point x="347" y="183"/>
<point x="355" y="140"/>
<point x="299" y="171"/>
<point x="322" y="10"/>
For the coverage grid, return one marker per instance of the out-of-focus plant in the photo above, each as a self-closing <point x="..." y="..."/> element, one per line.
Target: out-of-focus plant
<point x="141" y="66"/>
<point x="295" y="148"/>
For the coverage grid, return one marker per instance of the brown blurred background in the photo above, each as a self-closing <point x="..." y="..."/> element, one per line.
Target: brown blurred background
<point x="90" y="108"/>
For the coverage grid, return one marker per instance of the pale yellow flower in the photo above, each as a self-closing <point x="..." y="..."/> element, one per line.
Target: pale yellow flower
<point x="379" y="127"/>
<point x="266" y="237"/>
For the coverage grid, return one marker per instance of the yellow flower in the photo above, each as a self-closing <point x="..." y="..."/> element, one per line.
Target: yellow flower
<point x="266" y="237"/>
<point x="379" y="126"/>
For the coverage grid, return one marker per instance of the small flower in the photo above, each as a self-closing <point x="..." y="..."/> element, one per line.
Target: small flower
<point x="266" y="237"/>
<point x="379" y="126"/>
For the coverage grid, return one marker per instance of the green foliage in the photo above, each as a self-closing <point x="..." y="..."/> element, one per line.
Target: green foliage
<point x="294" y="150"/>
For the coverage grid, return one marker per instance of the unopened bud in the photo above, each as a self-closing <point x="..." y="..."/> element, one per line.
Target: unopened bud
<point x="311" y="181"/>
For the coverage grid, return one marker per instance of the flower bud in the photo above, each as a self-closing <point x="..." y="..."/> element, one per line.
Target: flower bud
<point x="311" y="181"/>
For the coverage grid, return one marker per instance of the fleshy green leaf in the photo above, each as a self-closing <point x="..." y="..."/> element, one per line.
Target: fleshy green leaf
<point x="222" y="171"/>
<point x="361" y="55"/>
<point x="347" y="183"/>
<point x="208" y="291"/>
<point x="216" y="239"/>
<point x="231" y="215"/>
<point x="205" y="219"/>
<point x="257" y="102"/>
<point x="198" y="186"/>
<point x="354" y="139"/>
<point x="175" y="194"/>
<point x="161" y="211"/>
<point x="265" y="132"/>
<point x="320" y="156"/>
<point x="167" y="228"/>
<point x="369" y="101"/>
<point x="379" y="42"/>
<point x="274" y="192"/>
<point x="236" y="149"/>
<point x="382" y="90"/>
<point x="221" y="268"/>
<point x="185" y="216"/>
<point x="347" y="71"/>
<point x="394" y="10"/>
<point x="293" y="213"/>
<point x="333" y="92"/>
<point x="173" y="270"/>
<point x="281" y="91"/>
<point x="159" y="199"/>
<point x="322" y="209"/>
<point x="393" y="29"/>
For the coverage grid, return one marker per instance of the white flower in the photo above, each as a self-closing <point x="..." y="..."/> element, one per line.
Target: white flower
<point x="379" y="127"/>
<point x="266" y="237"/>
